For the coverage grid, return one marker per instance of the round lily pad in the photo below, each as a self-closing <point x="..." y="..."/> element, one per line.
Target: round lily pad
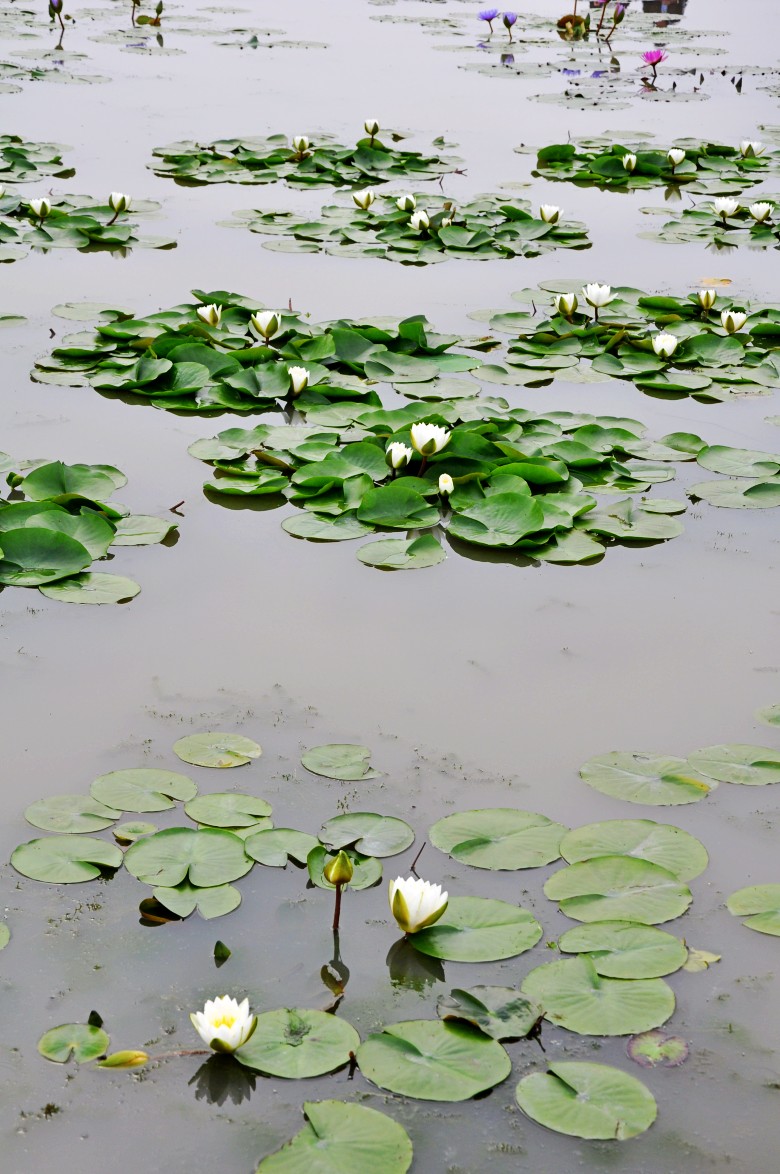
<point x="343" y="761"/>
<point x="70" y="813"/>
<point x="142" y="788"/>
<point x="92" y="587"/>
<point x="738" y="493"/>
<point x="323" y="529"/>
<point x="127" y="833"/>
<point x="623" y="949"/>
<point x="65" y="860"/>
<point x="369" y="833"/>
<point x="753" y="766"/>
<point x="499" y="838"/>
<point x="367" y="870"/>
<point x="33" y="555"/>
<point x="499" y="1011"/>
<point x="185" y="898"/>
<point x="433" y="1061"/>
<point x="479" y="929"/>
<point x="227" y="809"/>
<point x="402" y="554"/>
<point x="216" y="750"/>
<point x="576" y="997"/>
<point x="298" y="1043"/>
<point x="646" y="778"/>
<point x="758" y="904"/>
<point x="276" y="846"/>
<point x="205" y="858"/>
<point x="618" y="888"/>
<point x="654" y="1049"/>
<point x="339" y="1138"/>
<point x="671" y="847"/>
<point x="593" y="1101"/>
<point x="82" y="1041"/>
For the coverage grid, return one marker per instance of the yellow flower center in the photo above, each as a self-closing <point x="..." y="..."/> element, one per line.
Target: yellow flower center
<point x="224" y="1021"/>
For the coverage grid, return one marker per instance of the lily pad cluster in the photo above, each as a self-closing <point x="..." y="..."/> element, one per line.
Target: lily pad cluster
<point x="722" y="224"/>
<point x="700" y="166"/>
<point x="175" y="360"/>
<point x="301" y="162"/>
<point x="58" y="520"/>
<point x="719" y="348"/>
<point x="22" y="161"/>
<point x="71" y="222"/>
<point x="418" y="229"/>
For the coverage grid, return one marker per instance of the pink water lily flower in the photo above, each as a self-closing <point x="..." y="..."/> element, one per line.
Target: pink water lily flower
<point x="653" y="58"/>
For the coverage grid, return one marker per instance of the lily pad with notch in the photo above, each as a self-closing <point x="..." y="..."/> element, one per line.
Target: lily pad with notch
<point x="499" y="838"/>
<point x="340" y="760"/>
<point x="70" y="813"/>
<point x="751" y="766"/>
<point x="368" y="833"/>
<point x="592" y="1101"/>
<point x="83" y="1042"/>
<point x="498" y="1011"/>
<point x="575" y="996"/>
<point x="217" y="750"/>
<point x="142" y="789"/>
<point x="618" y="888"/>
<point x="759" y="905"/>
<point x="274" y="847"/>
<point x="479" y="929"/>
<point x="341" y="1138"/>
<point x="660" y="843"/>
<point x="227" y="809"/>
<point x="297" y="1044"/>
<point x="209" y="857"/>
<point x="624" y="949"/>
<point x="638" y="777"/>
<point x="65" y="860"/>
<point x="183" y="899"/>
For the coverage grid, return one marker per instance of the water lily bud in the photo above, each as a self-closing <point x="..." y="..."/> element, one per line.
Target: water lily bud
<point x="724" y="206"/>
<point x="446" y="222"/>
<point x="299" y="379"/>
<point x="339" y="871"/>
<point x="629" y="162"/>
<point x="760" y="212"/>
<point x="211" y="315"/>
<point x="118" y="202"/>
<point x="266" y="322"/>
<point x="550" y="214"/>
<point x="598" y="295"/>
<point x="371" y="127"/>
<point x="2" y="191"/>
<point x="224" y="1024"/>
<point x="364" y="199"/>
<point x="406" y="203"/>
<point x="446" y="485"/>
<point x="428" y="439"/>
<point x="301" y="144"/>
<point x="40" y="208"/>
<point x="665" y="345"/>
<point x="398" y="455"/>
<point x="419" y="220"/>
<point x="706" y="298"/>
<point x="733" y="320"/>
<point x="750" y="149"/>
<point x="675" y="156"/>
<point x="416" y="904"/>
<point x="566" y="304"/>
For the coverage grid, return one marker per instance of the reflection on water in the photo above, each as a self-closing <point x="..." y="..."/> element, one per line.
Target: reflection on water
<point x="223" y="1079"/>
<point x="411" y="969"/>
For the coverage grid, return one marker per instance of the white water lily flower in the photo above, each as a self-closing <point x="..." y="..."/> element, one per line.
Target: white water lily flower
<point x="550" y="214"/>
<point x="406" y="203"/>
<point x="371" y="127"/>
<point x="419" y="220"/>
<point x="629" y="162"/>
<point x="751" y="149"/>
<point x="566" y="304"/>
<point x="301" y="144"/>
<point x="760" y="212"/>
<point x="724" y="206"/>
<point x="665" y="345"/>
<point x="706" y="298"/>
<point x="733" y="320"/>
<point x="41" y="208"/>
<point x="446" y="222"/>
<point x="416" y="904"/>
<point x="118" y="202"/>
<point x="224" y="1024"/>
<point x="428" y="439"/>
<point x="398" y="455"/>
<point x="446" y="485"/>
<point x="598" y="295"/>
<point x="266" y="322"/>
<point x="2" y="191"/>
<point x="675" y="156"/>
<point x="364" y="199"/>
<point x="299" y="379"/>
<point x="211" y="315"/>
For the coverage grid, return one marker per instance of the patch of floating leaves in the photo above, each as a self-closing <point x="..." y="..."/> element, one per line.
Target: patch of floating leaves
<point x="22" y="161"/>
<point x="72" y="222"/>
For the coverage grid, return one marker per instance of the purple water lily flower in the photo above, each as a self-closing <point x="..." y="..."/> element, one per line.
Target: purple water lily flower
<point x="509" y="18"/>
<point x="489" y="15"/>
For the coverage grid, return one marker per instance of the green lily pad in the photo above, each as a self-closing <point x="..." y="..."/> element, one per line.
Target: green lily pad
<point x="367" y="870"/>
<point x="433" y="1061"/>
<point x="738" y="493"/>
<point x="142" y="788"/>
<point x="370" y="834"/>
<point x="618" y="888"/>
<point x="654" y="1049"/>
<point x="34" y="555"/>
<point x="65" y="860"/>
<point x="340" y="1138"/>
<point x="593" y="1101"/>
<point x="623" y="949"/>
<point x="128" y="833"/>
<point x="92" y="587"/>
<point x="499" y="838"/>
<point x="58" y="480"/>
<point x="5" y="935"/>
<point x="70" y="813"/>
<point x="758" y="904"/>
<point x="298" y="1044"/>
<point x="752" y="766"/>
<point x="671" y="847"/>
<point x="575" y="996"/>
<point x="770" y="715"/>
<point x="344" y="761"/>
<point x="216" y="750"/>
<point x="184" y="899"/>
<point x="275" y="846"/>
<point x="738" y="462"/>
<point x="206" y="858"/>
<point x="82" y="1041"/>
<point x="321" y="529"/>
<point x="402" y="554"/>
<point x="646" y="778"/>
<point x="141" y="530"/>
<point x="498" y="1011"/>
<point x="227" y="810"/>
<point x="479" y="929"/>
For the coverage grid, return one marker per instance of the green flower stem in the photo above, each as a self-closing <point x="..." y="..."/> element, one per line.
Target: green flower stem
<point x="337" y="910"/>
